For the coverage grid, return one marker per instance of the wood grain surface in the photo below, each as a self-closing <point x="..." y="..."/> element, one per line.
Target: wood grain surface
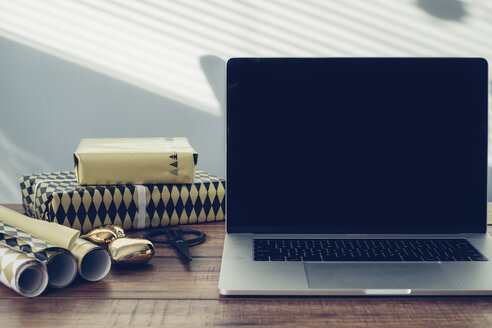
<point x="168" y="293"/>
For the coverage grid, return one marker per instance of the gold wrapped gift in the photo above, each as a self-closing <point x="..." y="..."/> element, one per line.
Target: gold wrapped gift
<point x="135" y="161"/>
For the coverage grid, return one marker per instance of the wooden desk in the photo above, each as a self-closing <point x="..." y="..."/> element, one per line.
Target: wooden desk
<point x="166" y="293"/>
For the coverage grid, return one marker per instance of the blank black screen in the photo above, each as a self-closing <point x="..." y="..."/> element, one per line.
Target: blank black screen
<point x="354" y="145"/>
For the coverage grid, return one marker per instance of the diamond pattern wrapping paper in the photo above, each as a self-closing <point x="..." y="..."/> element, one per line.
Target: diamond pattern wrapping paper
<point x="61" y="264"/>
<point x="18" y="271"/>
<point x="56" y="197"/>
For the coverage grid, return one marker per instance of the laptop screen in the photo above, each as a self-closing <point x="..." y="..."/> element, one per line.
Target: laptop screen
<point x="356" y="145"/>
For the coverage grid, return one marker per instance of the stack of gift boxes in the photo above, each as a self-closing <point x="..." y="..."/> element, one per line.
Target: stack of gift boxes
<point x="136" y="183"/>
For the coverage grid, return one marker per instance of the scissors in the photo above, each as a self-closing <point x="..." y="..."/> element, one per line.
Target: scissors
<point x="177" y="241"/>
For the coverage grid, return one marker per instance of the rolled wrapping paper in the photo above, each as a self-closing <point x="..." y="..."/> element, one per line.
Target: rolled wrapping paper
<point x="94" y="262"/>
<point x="60" y="263"/>
<point x="62" y="268"/>
<point x="25" y="275"/>
<point x="53" y="233"/>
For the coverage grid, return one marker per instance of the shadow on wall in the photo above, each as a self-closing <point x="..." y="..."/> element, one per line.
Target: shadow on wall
<point x="14" y="159"/>
<point x="214" y="69"/>
<point x="444" y="9"/>
<point x="40" y="126"/>
<point x="149" y="69"/>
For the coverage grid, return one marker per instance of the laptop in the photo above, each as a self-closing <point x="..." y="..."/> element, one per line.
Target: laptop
<point x="356" y="176"/>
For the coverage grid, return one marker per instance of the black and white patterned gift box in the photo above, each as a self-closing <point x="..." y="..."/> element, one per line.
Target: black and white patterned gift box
<point x="57" y="197"/>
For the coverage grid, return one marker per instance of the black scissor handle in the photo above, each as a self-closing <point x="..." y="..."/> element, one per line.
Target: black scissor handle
<point x="173" y="235"/>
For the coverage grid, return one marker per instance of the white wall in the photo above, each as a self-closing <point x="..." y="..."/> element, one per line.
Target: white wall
<point x="74" y="69"/>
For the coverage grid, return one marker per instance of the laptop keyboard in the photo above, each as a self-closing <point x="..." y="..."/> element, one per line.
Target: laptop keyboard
<point x="365" y="250"/>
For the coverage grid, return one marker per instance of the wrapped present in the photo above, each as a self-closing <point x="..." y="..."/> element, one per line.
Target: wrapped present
<point x="104" y="161"/>
<point x="57" y="197"/>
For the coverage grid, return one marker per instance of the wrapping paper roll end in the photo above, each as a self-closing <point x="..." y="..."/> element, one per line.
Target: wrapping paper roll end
<point x="32" y="280"/>
<point x="18" y="271"/>
<point x="94" y="261"/>
<point x="62" y="269"/>
<point x="95" y="265"/>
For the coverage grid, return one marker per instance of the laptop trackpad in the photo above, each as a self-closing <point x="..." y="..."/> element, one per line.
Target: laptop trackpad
<point x="378" y="276"/>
